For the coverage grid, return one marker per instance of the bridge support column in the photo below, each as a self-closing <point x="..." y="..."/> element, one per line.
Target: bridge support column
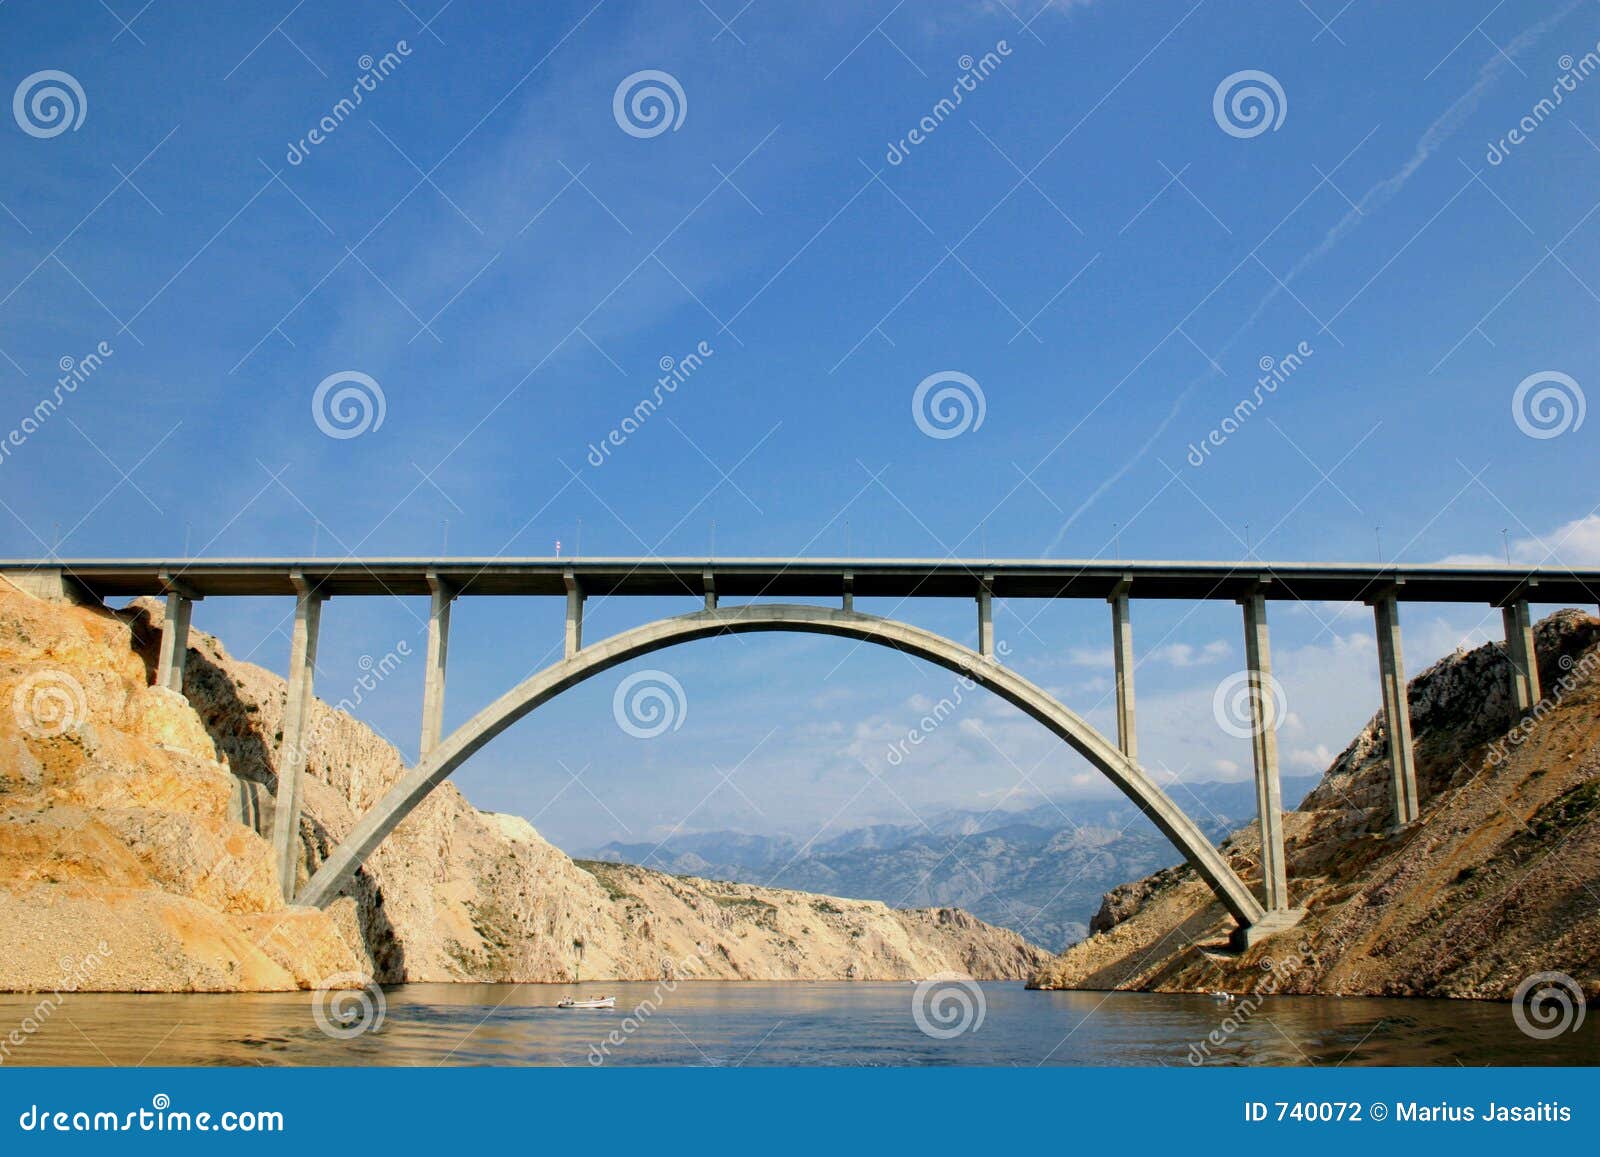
<point x="433" y="675"/>
<point x="1122" y="652"/>
<point x="174" y="650"/>
<point x="574" y="616"/>
<point x="296" y="719"/>
<point x="986" y="619"/>
<point x="1519" y="649"/>
<point x="1264" y="741"/>
<point x="1396" y="710"/>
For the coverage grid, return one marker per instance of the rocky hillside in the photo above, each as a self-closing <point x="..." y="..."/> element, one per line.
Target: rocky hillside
<point x="1040" y="872"/>
<point x="129" y="833"/>
<point x="1494" y="882"/>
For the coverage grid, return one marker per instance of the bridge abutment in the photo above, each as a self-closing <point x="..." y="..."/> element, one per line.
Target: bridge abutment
<point x="1519" y="649"/>
<point x="296" y="717"/>
<point x="1264" y="745"/>
<point x="1396" y="710"/>
<point x="986" y="618"/>
<point x="1122" y="653"/>
<point x="440" y="600"/>
<point x="173" y="652"/>
<point x="574" y="639"/>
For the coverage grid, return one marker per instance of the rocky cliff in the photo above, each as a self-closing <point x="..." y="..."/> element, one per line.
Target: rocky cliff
<point x="130" y="835"/>
<point x="1494" y="882"/>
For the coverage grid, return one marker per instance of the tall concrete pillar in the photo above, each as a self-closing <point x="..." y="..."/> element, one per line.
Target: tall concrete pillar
<point x="296" y="732"/>
<point x="849" y="600"/>
<point x="574" y="616"/>
<point x="1396" y="710"/>
<point x="433" y="675"/>
<point x="1122" y="653"/>
<point x="1264" y="741"/>
<point x="174" y="649"/>
<point x="709" y="581"/>
<point x="985" y="620"/>
<point x="1519" y="649"/>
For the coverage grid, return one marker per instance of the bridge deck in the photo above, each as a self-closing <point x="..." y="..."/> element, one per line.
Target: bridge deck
<point x="826" y="578"/>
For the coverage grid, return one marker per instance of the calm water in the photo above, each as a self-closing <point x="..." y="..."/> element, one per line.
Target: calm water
<point x="777" y="1024"/>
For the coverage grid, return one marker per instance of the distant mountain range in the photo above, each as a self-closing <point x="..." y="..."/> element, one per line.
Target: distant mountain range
<point x="1040" y="872"/>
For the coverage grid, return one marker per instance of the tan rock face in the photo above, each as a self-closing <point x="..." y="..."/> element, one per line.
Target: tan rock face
<point x="116" y="842"/>
<point x="154" y="803"/>
<point x="1492" y="884"/>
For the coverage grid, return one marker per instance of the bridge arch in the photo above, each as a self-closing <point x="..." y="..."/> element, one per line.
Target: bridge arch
<point x="450" y="753"/>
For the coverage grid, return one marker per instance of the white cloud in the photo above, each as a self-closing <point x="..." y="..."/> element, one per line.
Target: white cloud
<point x="1089" y="656"/>
<point x="1572" y="544"/>
<point x="1185" y="655"/>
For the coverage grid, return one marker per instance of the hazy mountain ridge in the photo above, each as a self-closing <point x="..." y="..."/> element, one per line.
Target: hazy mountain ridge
<point x="1040" y="871"/>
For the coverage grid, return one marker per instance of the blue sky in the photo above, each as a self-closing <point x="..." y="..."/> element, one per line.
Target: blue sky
<point x="1082" y="237"/>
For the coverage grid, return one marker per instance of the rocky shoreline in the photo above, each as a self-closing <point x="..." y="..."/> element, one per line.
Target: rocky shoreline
<point x="131" y="823"/>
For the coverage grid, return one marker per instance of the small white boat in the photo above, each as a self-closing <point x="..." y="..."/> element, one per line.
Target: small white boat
<point x="1223" y="997"/>
<point x="596" y="1002"/>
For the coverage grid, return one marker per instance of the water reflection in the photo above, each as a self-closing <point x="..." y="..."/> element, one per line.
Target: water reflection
<point x="775" y="1024"/>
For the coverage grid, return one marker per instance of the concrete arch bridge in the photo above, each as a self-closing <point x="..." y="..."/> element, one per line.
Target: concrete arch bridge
<point x="1252" y="585"/>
